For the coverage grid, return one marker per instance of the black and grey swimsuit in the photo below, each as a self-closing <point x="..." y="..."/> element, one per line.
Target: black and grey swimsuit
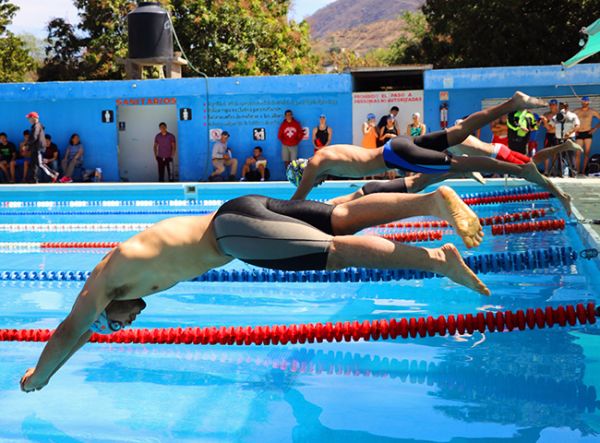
<point x="276" y="234"/>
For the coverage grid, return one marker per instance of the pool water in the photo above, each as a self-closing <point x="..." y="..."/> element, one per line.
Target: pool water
<point x="531" y="386"/>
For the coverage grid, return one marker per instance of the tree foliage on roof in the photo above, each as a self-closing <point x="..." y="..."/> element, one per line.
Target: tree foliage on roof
<point x="220" y="37"/>
<point x="15" y="60"/>
<point x="464" y="33"/>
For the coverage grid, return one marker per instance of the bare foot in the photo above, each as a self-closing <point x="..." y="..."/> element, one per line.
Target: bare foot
<point x="570" y="145"/>
<point x="531" y="174"/>
<point x="451" y="208"/>
<point x="525" y="101"/>
<point x="452" y="266"/>
<point x="476" y="176"/>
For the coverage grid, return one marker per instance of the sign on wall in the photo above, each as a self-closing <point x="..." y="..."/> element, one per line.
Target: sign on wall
<point x="107" y="116"/>
<point x="259" y="134"/>
<point x="185" y="114"/>
<point x="379" y="103"/>
<point x="145" y="101"/>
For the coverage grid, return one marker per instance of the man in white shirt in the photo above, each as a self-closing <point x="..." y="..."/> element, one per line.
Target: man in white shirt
<point x="221" y="158"/>
<point x="566" y="124"/>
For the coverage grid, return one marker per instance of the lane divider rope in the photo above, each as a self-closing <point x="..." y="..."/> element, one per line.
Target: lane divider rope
<point x="500" y="321"/>
<point x="482" y="263"/>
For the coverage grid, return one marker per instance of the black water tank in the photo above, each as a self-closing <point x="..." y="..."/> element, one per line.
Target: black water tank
<point x="149" y="31"/>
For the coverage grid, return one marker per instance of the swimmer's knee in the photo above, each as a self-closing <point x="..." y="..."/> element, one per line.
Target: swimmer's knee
<point x="335" y="259"/>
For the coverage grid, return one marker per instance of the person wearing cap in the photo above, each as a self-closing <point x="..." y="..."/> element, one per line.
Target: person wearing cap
<point x="222" y="158"/>
<point x="416" y="128"/>
<point x="584" y="134"/>
<point x="37" y="146"/>
<point x="369" y="131"/>
<point x="321" y="135"/>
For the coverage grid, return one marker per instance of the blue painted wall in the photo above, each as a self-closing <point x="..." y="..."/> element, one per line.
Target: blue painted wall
<point x="235" y="104"/>
<point x="468" y="87"/>
<point x="240" y="104"/>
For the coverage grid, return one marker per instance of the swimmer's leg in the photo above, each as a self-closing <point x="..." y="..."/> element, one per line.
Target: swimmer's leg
<point x="376" y="252"/>
<point x="458" y="133"/>
<point x="548" y="153"/>
<point x="376" y="209"/>
<point x="346" y="198"/>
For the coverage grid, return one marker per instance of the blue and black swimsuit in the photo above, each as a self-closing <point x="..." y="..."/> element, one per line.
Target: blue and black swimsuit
<point x="425" y="153"/>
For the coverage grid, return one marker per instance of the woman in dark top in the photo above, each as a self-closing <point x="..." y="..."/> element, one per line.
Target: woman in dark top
<point x="321" y="136"/>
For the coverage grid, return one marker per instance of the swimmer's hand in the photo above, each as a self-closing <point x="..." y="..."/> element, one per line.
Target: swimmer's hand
<point x="30" y="383"/>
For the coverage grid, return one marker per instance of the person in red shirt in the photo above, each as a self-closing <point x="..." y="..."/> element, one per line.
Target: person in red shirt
<point x="290" y="135"/>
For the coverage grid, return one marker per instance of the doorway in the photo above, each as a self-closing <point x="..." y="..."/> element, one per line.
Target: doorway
<point x="138" y="125"/>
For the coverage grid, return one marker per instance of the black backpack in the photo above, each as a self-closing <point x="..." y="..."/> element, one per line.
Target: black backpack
<point x="593" y="166"/>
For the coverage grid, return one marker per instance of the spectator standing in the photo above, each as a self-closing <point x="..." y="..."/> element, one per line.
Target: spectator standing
<point x="321" y="135"/>
<point x="394" y="110"/>
<point x="37" y="145"/>
<point x="566" y="123"/>
<point x="255" y="167"/>
<point x="369" y="131"/>
<point x="50" y="155"/>
<point x="389" y="131"/>
<point x="24" y="155"/>
<point x="500" y="131"/>
<point x="520" y="124"/>
<point x="222" y="158"/>
<point x="8" y="157"/>
<point x="550" y="138"/>
<point x="290" y="135"/>
<point x="585" y="133"/>
<point x="416" y="128"/>
<point x="164" y="150"/>
<point x="73" y="158"/>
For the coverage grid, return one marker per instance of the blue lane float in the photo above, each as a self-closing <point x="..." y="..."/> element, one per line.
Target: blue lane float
<point x="482" y="264"/>
<point x="186" y="207"/>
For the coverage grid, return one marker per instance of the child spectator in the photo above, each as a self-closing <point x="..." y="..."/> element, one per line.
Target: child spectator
<point x="72" y="159"/>
<point x="321" y="136"/>
<point x="50" y="154"/>
<point x="8" y="156"/>
<point x="24" y="155"/>
<point x="255" y="167"/>
<point x="369" y="130"/>
<point x="290" y="135"/>
<point x="222" y="157"/>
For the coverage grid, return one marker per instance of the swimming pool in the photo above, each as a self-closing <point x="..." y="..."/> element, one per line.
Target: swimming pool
<point x="520" y="386"/>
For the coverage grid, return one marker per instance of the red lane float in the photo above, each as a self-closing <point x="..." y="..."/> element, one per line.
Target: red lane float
<point x="508" y="198"/>
<point x="500" y="321"/>
<point x="486" y="221"/>
<point x="414" y="236"/>
<point x="78" y="244"/>
<point x="518" y="228"/>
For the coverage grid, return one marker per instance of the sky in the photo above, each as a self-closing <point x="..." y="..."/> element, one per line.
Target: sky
<point x="34" y="15"/>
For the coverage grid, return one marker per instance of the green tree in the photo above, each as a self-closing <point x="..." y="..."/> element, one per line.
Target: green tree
<point x="403" y="49"/>
<point x="103" y="22"/>
<point x="243" y="37"/>
<point x="466" y="33"/>
<point x="63" y="59"/>
<point x="15" y="61"/>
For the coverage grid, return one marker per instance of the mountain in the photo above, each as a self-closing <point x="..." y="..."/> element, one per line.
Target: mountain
<point x="347" y="15"/>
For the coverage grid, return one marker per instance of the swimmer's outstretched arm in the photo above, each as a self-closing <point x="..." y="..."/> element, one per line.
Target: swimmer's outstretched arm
<point x="68" y="338"/>
<point x="314" y="171"/>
